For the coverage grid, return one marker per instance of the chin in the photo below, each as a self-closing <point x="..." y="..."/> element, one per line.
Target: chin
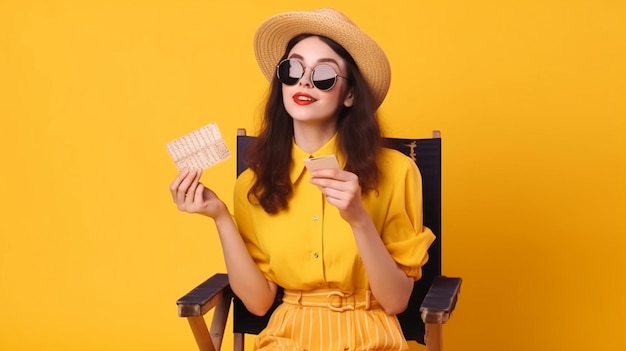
<point x="307" y="116"/>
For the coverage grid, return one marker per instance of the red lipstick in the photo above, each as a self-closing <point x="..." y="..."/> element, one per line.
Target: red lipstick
<point x="303" y="98"/>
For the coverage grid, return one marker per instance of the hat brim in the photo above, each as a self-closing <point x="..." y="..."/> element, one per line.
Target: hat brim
<point x="272" y="36"/>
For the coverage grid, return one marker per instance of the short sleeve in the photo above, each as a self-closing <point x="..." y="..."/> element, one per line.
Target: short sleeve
<point x="403" y="233"/>
<point x="243" y="218"/>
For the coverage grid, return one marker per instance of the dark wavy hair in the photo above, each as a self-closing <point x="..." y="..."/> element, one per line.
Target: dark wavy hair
<point x="359" y="138"/>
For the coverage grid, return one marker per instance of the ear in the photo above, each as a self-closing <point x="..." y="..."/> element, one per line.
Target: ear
<point x="349" y="99"/>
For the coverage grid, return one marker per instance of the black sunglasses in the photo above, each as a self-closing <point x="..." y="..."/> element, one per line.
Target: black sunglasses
<point x="323" y="77"/>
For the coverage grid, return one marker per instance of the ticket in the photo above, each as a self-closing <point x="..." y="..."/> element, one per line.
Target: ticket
<point x="322" y="162"/>
<point x="199" y="149"/>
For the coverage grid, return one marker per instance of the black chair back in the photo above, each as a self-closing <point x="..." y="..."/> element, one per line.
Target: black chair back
<point x="427" y="154"/>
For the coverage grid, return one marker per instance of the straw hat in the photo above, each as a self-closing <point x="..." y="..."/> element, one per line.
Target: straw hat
<point x="271" y="38"/>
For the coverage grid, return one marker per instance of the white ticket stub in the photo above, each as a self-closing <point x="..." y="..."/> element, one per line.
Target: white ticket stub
<point x="199" y="149"/>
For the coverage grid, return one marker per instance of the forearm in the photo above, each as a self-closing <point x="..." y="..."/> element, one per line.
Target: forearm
<point x="246" y="280"/>
<point x="390" y="285"/>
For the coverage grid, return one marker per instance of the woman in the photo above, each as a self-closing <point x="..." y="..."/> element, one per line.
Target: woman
<point x="345" y="243"/>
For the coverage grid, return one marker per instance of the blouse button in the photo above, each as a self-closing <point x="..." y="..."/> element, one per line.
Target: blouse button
<point x="316" y="255"/>
<point x="315" y="218"/>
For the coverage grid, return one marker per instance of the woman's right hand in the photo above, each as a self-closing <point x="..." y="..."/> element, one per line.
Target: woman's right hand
<point x="190" y="195"/>
<point x="244" y="276"/>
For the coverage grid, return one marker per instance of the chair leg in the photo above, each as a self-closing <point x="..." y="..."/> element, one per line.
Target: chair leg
<point x="434" y="337"/>
<point x="239" y="341"/>
<point x="218" y="324"/>
<point x="201" y="333"/>
<point x="211" y="341"/>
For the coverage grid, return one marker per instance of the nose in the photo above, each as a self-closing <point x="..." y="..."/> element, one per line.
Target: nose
<point x="305" y="80"/>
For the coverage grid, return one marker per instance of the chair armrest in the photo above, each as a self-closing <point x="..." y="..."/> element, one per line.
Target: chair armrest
<point x="440" y="299"/>
<point x="204" y="297"/>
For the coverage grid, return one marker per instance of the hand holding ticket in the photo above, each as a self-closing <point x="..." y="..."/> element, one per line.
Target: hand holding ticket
<point x="322" y="162"/>
<point x="199" y="149"/>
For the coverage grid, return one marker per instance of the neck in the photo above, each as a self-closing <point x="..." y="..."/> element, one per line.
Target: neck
<point x="311" y="138"/>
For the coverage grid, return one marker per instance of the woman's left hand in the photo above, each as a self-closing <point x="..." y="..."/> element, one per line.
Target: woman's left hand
<point x="342" y="190"/>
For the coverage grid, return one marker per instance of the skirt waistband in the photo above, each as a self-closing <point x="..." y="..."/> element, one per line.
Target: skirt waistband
<point x="334" y="300"/>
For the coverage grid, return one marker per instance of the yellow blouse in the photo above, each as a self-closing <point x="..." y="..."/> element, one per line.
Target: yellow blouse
<point x="309" y="246"/>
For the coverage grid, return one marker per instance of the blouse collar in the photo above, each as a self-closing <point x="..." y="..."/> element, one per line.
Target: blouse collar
<point x="298" y="156"/>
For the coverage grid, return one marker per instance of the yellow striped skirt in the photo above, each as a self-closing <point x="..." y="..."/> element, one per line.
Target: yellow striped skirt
<point x="330" y="320"/>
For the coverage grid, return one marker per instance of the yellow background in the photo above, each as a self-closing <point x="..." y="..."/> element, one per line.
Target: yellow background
<point x="529" y="95"/>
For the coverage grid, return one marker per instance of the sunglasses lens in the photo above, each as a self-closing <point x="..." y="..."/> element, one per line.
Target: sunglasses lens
<point x="324" y="77"/>
<point x="289" y="71"/>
